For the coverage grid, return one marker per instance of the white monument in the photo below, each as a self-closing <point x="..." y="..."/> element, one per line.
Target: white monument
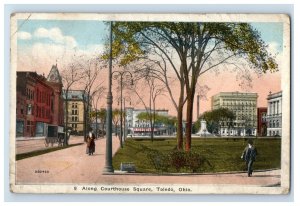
<point x="203" y="131"/>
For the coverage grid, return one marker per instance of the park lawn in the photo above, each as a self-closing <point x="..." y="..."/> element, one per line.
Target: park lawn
<point x="222" y="154"/>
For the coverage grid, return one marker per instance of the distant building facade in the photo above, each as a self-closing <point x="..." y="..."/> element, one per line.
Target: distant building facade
<point x="262" y="121"/>
<point x="274" y="115"/>
<point x="75" y="106"/>
<point x="39" y="104"/>
<point x="143" y="127"/>
<point x="243" y="105"/>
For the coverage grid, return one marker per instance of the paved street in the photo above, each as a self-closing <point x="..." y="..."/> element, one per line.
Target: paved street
<point x="72" y="165"/>
<point x="23" y="146"/>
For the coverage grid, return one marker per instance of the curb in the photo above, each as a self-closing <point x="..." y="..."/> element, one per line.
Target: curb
<point x="119" y="172"/>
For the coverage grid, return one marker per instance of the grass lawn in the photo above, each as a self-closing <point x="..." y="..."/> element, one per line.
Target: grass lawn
<point x="222" y="154"/>
<point x="43" y="151"/>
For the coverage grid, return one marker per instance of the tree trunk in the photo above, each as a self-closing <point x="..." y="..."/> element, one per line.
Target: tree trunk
<point x="152" y="121"/>
<point x="189" y="116"/>
<point x="180" y="116"/>
<point x="179" y="128"/>
<point x="189" y="120"/>
<point x="84" y="121"/>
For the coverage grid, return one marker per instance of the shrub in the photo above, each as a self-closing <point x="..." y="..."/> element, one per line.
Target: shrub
<point x="159" y="160"/>
<point x="178" y="159"/>
<point x="194" y="161"/>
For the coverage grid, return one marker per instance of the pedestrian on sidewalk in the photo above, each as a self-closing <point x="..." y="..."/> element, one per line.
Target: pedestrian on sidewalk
<point x="90" y="143"/>
<point x="249" y="156"/>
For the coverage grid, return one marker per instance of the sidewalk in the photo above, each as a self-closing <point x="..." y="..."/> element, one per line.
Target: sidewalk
<point x="72" y="165"/>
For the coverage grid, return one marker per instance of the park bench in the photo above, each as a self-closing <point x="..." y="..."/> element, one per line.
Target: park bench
<point x="127" y="166"/>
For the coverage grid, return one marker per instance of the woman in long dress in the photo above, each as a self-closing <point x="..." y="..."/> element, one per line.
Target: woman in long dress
<point x="90" y="146"/>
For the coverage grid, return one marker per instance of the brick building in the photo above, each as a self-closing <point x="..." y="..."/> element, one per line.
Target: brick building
<point x="262" y="121"/>
<point x="39" y="104"/>
<point x="25" y="110"/>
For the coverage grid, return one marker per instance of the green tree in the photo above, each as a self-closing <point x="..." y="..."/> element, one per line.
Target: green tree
<point x="116" y="118"/>
<point x="155" y="90"/>
<point x="102" y="117"/>
<point x="216" y="117"/>
<point x="100" y="114"/>
<point x="157" y="119"/>
<point x="199" y="47"/>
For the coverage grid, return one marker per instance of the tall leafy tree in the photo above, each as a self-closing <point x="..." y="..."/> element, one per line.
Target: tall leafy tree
<point x="191" y="49"/>
<point x="216" y="117"/>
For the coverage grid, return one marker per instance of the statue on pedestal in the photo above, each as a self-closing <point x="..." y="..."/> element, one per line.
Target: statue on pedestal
<point x="203" y="131"/>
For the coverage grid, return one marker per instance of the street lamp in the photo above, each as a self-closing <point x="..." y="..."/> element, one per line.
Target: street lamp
<point x="121" y="74"/>
<point x="108" y="160"/>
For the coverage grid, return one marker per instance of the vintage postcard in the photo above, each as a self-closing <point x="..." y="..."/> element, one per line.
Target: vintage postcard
<point x="150" y="103"/>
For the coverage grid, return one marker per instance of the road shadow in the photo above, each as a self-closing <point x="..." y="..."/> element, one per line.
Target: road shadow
<point x="95" y="155"/>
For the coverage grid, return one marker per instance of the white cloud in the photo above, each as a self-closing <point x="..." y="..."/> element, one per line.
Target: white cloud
<point x="56" y="36"/>
<point x="95" y="48"/>
<point x="40" y="56"/>
<point x="274" y="48"/>
<point x="24" y="35"/>
<point x="61" y="48"/>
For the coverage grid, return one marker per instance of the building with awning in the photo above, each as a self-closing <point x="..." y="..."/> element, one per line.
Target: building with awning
<point x="136" y="126"/>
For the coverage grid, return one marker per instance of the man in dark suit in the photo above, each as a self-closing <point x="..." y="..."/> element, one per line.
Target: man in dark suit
<point x="249" y="156"/>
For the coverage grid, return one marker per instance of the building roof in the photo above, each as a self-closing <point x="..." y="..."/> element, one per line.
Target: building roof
<point x="54" y="75"/>
<point x="274" y="95"/>
<point x="236" y="94"/>
<point x="75" y="94"/>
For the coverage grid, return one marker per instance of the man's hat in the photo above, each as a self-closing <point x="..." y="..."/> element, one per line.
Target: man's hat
<point x="250" y="141"/>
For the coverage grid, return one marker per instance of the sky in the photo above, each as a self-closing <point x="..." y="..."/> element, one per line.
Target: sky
<point x="42" y="43"/>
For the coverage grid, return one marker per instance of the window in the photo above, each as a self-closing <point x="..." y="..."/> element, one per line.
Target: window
<point x="29" y="109"/>
<point x="74" y="112"/>
<point x="22" y="109"/>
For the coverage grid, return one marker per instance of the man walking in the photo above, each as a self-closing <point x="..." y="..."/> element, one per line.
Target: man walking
<point x="249" y="156"/>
